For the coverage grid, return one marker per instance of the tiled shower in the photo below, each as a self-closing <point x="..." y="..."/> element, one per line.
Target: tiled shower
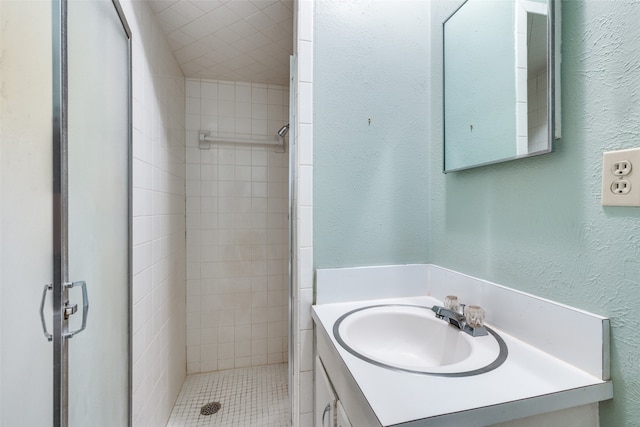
<point x="258" y="328"/>
<point x="237" y="226"/>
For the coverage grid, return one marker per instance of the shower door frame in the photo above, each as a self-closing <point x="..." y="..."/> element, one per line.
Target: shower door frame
<point x="60" y="208"/>
<point x="292" y="241"/>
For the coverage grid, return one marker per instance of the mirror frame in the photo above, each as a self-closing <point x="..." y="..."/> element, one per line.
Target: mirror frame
<point x="554" y="129"/>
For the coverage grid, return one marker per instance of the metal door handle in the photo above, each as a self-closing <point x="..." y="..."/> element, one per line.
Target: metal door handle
<point x="68" y="309"/>
<point x="73" y="308"/>
<point x="47" y="335"/>
<point x="324" y="413"/>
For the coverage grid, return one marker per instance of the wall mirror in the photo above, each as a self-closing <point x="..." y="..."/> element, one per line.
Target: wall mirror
<point x="501" y="81"/>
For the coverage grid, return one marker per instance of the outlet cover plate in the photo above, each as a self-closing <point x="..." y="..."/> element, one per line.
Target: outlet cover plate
<point x="631" y="178"/>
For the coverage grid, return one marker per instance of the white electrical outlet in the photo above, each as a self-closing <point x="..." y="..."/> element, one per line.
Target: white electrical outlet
<point x="621" y="178"/>
<point x="621" y="168"/>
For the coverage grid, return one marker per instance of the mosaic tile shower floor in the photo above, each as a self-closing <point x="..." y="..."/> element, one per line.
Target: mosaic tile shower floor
<point x="255" y="396"/>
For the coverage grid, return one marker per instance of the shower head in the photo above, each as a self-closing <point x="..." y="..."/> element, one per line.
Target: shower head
<point x="283" y="130"/>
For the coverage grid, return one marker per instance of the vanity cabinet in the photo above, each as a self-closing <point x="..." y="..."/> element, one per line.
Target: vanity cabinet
<point x="328" y="411"/>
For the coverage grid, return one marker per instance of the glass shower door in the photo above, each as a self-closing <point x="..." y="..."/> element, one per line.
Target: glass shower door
<point x="64" y="114"/>
<point x="96" y="246"/>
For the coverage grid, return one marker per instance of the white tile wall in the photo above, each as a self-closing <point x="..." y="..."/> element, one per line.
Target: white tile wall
<point x="522" y="145"/>
<point x="302" y="385"/>
<point x="537" y="112"/>
<point x="237" y="229"/>
<point x="159" y="357"/>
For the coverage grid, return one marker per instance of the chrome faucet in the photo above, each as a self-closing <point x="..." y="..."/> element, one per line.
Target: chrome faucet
<point x="458" y="320"/>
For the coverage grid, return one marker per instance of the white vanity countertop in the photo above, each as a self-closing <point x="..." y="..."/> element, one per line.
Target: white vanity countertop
<point x="529" y="382"/>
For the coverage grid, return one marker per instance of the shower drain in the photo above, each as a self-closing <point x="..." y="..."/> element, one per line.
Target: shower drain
<point x="210" y="408"/>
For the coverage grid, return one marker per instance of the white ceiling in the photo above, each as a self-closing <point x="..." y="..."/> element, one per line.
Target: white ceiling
<point x="237" y="40"/>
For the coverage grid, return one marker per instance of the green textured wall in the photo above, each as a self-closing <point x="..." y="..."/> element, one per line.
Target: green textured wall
<point x="534" y="224"/>
<point x="537" y="224"/>
<point x="370" y="178"/>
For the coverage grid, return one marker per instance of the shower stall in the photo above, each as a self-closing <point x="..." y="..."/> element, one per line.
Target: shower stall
<point x="106" y="303"/>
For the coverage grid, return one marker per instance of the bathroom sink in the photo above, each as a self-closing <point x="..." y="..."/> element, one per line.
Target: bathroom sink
<point x="410" y="338"/>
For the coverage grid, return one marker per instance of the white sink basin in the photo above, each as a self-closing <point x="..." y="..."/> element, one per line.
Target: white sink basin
<point x="411" y="338"/>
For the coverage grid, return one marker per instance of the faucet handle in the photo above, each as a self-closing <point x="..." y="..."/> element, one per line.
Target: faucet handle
<point x="474" y="316"/>
<point x="451" y="303"/>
